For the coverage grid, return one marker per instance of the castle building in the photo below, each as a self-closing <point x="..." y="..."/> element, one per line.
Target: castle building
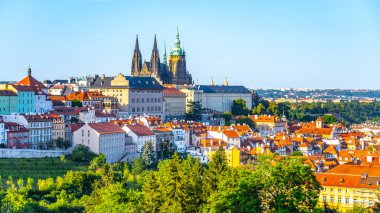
<point x="173" y="73"/>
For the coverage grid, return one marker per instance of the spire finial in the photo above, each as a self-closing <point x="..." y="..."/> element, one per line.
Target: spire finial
<point x="29" y="71"/>
<point x="137" y="42"/>
<point x="225" y="82"/>
<point x="164" y="57"/>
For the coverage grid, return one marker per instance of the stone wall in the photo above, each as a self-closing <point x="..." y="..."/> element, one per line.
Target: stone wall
<point x="33" y="153"/>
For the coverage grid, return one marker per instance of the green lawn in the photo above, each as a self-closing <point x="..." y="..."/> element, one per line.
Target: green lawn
<point x="36" y="168"/>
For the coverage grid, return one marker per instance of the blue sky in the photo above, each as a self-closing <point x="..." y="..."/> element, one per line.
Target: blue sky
<point x="256" y="43"/>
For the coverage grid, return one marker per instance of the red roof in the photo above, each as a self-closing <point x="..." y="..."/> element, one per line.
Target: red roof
<point x="32" y="82"/>
<point x="172" y="91"/>
<point x="106" y="128"/>
<point x="140" y="130"/>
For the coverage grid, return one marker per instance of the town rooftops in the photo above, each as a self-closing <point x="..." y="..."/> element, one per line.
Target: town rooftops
<point x="223" y="89"/>
<point x="351" y="176"/>
<point x="212" y="143"/>
<point x="38" y="118"/>
<point x="106" y="128"/>
<point x="21" y="88"/>
<point x="140" y="130"/>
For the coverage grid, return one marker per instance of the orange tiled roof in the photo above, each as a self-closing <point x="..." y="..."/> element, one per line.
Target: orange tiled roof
<point x="212" y="143"/>
<point x="32" y="82"/>
<point x="231" y="133"/>
<point x="330" y="150"/>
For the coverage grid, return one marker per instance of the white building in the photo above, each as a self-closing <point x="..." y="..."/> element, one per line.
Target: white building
<point x="87" y="115"/>
<point x="141" y="135"/>
<point x="174" y="104"/>
<point x="102" y="138"/>
<point x="220" y="98"/>
<point x="40" y="128"/>
<point x="179" y="140"/>
<point x="2" y="133"/>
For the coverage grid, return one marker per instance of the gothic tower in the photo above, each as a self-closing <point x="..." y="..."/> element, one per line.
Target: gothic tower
<point x="136" y="60"/>
<point x="177" y="64"/>
<point x="155" y="65"/>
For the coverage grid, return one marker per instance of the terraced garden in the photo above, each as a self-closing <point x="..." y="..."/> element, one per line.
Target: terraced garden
<point x="36" y="168"/>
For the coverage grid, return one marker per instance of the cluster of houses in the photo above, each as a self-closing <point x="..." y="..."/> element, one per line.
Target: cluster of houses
<point x="117" y="116"/>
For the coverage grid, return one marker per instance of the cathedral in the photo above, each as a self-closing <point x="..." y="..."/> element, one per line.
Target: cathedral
<point x="172" y="72"/>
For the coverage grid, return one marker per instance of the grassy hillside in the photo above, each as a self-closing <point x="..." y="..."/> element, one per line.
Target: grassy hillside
<point x="36" y="168"/>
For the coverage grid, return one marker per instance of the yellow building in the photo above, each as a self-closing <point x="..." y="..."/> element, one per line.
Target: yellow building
<point x="269" y="124"/>
<point x="233" y="156"/>
<point x="347" y="185"/>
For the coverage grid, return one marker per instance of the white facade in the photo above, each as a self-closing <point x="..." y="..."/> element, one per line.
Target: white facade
<point x="146" y="102"/>
<point x="174" y="103"/>
<point x="179" y="140"/>
<point x="222" y="102"/>
<point x="140" y="140"/>
<point x="2" y="133"/>
<point x="87" y="116"/>
<point x="42" y="104"/>
<point x="111" y="144"/>
<point x="40" y="128"/>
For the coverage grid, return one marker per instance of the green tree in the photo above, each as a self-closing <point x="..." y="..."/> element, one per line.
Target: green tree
<point x="259" y="109"/>
<point x="329" y="118"/>
<point x="227" y="117"/>
<point x="359" y="209"/>
<point x="246" y="120"/>
<point x="76" y="103"/>
<point x="195" y="111"/>
<point x="288" y="185"/>
<point x="82" y="153"/>
<point x="147" y="154"/>
<point x="61" y="143"/>
<point x="216" y="167"/>
<point x="296" y="153"/>
<point x="237" y="192"/>
<point x="239" y="107"/>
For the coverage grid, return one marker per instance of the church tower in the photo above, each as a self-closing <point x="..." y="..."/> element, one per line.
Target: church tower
<point x="155" y="65"/>
<point x="136" y="60"/>
<point x="177" y="64"/>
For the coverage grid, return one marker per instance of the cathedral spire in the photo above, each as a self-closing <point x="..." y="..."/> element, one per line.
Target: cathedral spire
<point x="155" y="59"/>
<point x="177" y="50"/>
<point x="136" y="60"/>
<point x="164" y="56"/>
<point x="29" y="71"/>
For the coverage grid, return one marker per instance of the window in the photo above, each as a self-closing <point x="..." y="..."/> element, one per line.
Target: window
<point x="88" y="133"/>
<point x="82" y="133"/>
<point x="339" y="200"/>
<point x="339" y="190"/>
<point x="347" y="200"/>
<point x="332" y="199"/>
<point x="331" y="189"/>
